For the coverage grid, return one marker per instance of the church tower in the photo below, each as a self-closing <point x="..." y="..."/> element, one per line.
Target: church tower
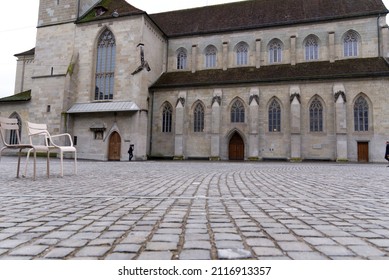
<point x="62" y="11"/>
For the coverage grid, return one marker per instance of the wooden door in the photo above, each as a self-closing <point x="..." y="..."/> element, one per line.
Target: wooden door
<point x="363" y="151"/>
<point x="115" y="143"/>
<point x="236" y="147"/>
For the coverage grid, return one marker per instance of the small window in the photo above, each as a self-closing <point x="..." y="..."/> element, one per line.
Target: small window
<point x="167" y="115"/>
<point x="316" y="116"/>
<point x="361" y="114"/>
<point x="275" y="116"/>
<point x="210" y="57"/>
<point x="242" y="53"/>
<point x="198" y="116"/>
<point x="181" y="59"/>
<point x="237" y="112"/>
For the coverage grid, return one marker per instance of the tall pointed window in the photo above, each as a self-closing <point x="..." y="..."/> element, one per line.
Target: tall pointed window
<point x="316" y="116"/>
<point x="167" y="116"/>
<point x="275" y="116"/>
<point x="242" y="53"/>
<point x="198" y="116"/>
<point x="237" y="112"/>
<point x="361" y="114"/>
<point x="181" y="59"/>
<point x="105" y="66"/>
<point x="350" y="44"/>
<point x="275" y="51"/>
<point x="210" y="57"/>
<point x="311" y="48"/>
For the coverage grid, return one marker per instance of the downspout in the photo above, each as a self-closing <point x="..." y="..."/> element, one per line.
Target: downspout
<point x="379" y="35"/>
<point x="151" y="124"/>
<point x="78" y="9"/>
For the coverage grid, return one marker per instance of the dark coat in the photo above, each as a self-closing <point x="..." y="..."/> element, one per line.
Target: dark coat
<point x="387" y="152"/>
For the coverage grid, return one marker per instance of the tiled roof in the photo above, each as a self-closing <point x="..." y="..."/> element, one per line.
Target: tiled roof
<point x="119" y="106"/>
<point x="19" y="97"/>
<point x="347" y="68"/>
<point x="120" y="6"/>
<point x="26" y="53"/>
<point x="261" y="13"/>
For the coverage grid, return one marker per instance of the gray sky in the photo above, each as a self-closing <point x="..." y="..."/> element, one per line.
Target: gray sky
<point x="18" y="32"/>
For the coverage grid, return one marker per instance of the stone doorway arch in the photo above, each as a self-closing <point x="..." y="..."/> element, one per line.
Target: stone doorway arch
<point x="236" y="147"/>
<point x="115" y="144"/>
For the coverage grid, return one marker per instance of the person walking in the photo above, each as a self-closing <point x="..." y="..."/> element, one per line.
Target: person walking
<point x="387" y="151"/>
<point x="130" y="152"/>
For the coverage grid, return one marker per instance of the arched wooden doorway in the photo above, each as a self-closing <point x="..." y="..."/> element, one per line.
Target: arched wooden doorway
<point x="363" y="151"/>
<point x="115" y="144"/>
<point x="236" y="147"/>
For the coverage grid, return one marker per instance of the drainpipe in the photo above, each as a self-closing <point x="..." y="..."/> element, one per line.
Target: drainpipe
<point x="151" y="123"/>
<point x="379" y="35"/>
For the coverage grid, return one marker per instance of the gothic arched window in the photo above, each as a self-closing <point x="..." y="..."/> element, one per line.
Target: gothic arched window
<point x="350" y="44"/>
<point x="237" y="112"/>
<point x="242" y="53"/>
<point x="210" y="57"/>
<point x="275" y="51"/>
<point x="316" y="116"/>
<point x="361" y="114"/>
<point x="105" y="66"/>
<point x="181" y="59"/>
<point x="311" y="48"/>
<point x="198" y="115"/>
<point x="275" y="116"/>
<point x="167" y="116"/>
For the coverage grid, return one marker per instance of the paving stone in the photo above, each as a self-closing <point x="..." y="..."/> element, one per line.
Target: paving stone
<point x="267" y="251"/>
<point x="155" y="256"/>
<point x="380" y="242"/>
<point x="59" y="234"/>
<point x="260" y="242"/>
<point x="85" y="235"/>
<point x="127" y="248"/>
<point x="195" y="255"/>
<point x="306" y="256"/>
<point x="73" y="243"/>
<point x="119" y="256"/>
<point x="226" y="236"/>
<point x="232" y="254"/>
<point x="197" y="245"/>
<point x="349" y="241"/>
<point x="334" y="250"/>
<point x="294" y="246"/>
<point x="93" y="251"/>
<point x="228" y="244"/>
<point x="319" y="241"/>
<point x="28" y="250"/>
<point x="59" y="253"/>
<point x="166" y="238"/>
<point x="366" y="251"/>
<point x="161" y="246"/>
<point x="12" y="243"/>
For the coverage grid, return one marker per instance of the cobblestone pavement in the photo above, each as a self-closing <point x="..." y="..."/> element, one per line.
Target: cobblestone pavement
<point x="195" y="210"/>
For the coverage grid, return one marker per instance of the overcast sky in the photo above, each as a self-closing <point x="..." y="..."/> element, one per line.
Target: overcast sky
<point x="18" y="30"/>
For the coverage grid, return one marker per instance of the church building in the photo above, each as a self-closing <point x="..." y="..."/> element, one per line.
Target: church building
<point x="252" y="80"/>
